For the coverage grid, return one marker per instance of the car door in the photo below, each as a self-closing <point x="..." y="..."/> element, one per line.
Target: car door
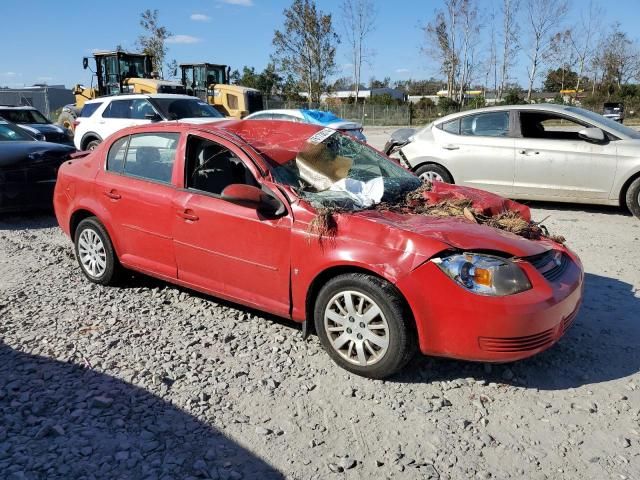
<point x="478" y="150"/>
<point x="136" y="190"/>
<point x="120" y="114"/>
<point x="222" y="247"/>
<point x="552" y="161"/>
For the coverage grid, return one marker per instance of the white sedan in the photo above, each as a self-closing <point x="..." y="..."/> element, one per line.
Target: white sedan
<point x="315" y="117"/>
<point x="537" y="152"/>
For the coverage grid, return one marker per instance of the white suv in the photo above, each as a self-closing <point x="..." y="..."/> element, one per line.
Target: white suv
<point x="103" y="116"/>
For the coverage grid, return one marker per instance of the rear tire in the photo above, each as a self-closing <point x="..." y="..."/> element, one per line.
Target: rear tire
<point x="633" y="197"/>
<point x="95" y="253"/>
<point x="364" y="325"/>
<point x="433" y="172"/>
<point x="93" y="144"/>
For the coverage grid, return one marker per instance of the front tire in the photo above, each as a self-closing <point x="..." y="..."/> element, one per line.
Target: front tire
<point x="95" y="253"/>
<point x="364" y="325"/>
<point x="433" y="172"/>
<point x="633" y="197"/>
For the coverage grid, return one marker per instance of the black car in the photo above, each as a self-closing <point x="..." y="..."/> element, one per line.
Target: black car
<point x="28" y="169"/>
<point x="34" y="122"/>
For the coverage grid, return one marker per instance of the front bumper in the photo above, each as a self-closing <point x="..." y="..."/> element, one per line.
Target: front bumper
<point x="453" y="322"/>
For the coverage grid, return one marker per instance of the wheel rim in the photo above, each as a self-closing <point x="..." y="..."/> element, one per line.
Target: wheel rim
<point x="93" y="145"/>
<point x="356" y="327"/>
<point x="93" y="256"/>
<point x="431" y="176"/>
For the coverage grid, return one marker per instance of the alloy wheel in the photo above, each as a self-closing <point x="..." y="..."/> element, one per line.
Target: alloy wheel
<point x="357" y="328"/>
<point x="93" y="256"/>
<point x="431" y="176"/>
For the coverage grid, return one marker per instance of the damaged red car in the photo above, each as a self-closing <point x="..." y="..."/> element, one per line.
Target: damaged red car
<point x="309" y="224"/>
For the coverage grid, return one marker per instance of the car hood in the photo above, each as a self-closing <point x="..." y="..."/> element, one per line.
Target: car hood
<point x="16" y="153"/>
<point x="43" y="127"/>
<point x="428" y="235"/>
<point x="344" y="125"/>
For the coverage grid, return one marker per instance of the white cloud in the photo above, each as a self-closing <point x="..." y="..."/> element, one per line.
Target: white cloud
<point x="200" y="17"/>
<point x="10" y="74"/>
<point x="183" y="39"/>
<point x="402" y="70"/>
<point x="242" y="3"/>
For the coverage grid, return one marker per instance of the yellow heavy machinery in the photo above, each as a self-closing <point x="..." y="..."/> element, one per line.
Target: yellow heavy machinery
<point x="210" y="82"/>
<point x="117" y="72"/>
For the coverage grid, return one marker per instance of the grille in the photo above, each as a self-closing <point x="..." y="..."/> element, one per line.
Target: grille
<point x="567" y="322"/>
<point x="517" y="344"/>
<point x="551" y="264"/>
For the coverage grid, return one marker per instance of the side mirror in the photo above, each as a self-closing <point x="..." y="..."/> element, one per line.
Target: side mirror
<point x="252" y="197"/>
<point x="85" y="63"/>
<point x="592" y="134"/>
<point x="154" y="117"/>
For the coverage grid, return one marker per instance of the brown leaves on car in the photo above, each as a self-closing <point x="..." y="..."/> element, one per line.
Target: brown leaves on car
<point x="417" y="202"/>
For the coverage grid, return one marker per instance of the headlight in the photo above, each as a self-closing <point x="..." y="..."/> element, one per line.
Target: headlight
<point x="484" y="274"/>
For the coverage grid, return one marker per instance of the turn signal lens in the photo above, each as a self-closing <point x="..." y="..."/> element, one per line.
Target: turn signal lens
<point x="482" y="276"/>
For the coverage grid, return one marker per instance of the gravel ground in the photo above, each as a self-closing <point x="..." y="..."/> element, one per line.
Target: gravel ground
<point x="151" y="381"/>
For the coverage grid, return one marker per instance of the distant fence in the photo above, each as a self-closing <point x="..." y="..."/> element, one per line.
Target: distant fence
<point x="366" y="114"/>
<point x="413" y="114"/>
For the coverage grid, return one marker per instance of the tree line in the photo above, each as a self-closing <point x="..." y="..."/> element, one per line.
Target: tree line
<point x="467" y="46"/>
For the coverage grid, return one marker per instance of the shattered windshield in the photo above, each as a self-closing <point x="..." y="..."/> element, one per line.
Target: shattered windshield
<point x="333" y="170"/>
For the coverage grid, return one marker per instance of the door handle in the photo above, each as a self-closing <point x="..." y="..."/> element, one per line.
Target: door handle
<point x="113" y="195"/>
<point x="450" y="147"/>
<point x="188" y="215"/>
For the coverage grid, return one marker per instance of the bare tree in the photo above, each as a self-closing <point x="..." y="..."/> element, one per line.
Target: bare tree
<point x="510" y="44"/>
<point x="306" y="49"/>
<point x="492" y="60"/>
<point x="358" y="17"/>
<point x="543" y="16"/>
<point x="441" y="42"/>
<point x="561" y="53"/>
<point x="469" y="30"/>
<point x="619" y="59"/>
<point x="582" y="39"/>
<point x="153" y="42"/>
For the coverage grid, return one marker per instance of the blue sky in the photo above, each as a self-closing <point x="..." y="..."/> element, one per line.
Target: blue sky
<point x="44" y="41"/>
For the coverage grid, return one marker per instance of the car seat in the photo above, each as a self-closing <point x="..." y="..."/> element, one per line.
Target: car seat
<point x="216" y="170"/>
<point x="148" y="164"/>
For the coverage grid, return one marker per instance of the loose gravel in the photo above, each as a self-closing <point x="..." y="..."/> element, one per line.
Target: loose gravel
<point x="151" y="381"/>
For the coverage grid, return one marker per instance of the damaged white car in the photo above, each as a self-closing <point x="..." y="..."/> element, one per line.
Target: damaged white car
<point x="532" y="152"/>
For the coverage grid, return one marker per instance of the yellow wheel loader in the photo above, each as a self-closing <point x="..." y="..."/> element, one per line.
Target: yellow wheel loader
<point x="210" y="82"/>
<point x="116" y="73"/>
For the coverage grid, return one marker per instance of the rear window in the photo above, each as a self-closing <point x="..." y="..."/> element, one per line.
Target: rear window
<point x="89" y="108"/>
<point x="23" y="116"/>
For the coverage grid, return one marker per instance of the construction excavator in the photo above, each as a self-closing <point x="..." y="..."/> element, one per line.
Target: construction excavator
<point x="117" y="72"/>
<point x="210" y="82"/>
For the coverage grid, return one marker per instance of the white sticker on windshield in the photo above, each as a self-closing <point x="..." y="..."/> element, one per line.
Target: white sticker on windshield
<point x="321" y="136"/>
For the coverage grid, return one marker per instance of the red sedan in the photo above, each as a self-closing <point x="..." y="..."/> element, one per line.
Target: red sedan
<point x="312" y="225"/>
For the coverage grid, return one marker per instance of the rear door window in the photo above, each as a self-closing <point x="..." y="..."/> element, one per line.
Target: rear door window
<point x="117" y="153"/>
<point x="118" y="109"/>
<point x="89" y="109"/>
<point x="451" y="127"/>
<point x="151" y="156"/>
<point x="492" y="124"/>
